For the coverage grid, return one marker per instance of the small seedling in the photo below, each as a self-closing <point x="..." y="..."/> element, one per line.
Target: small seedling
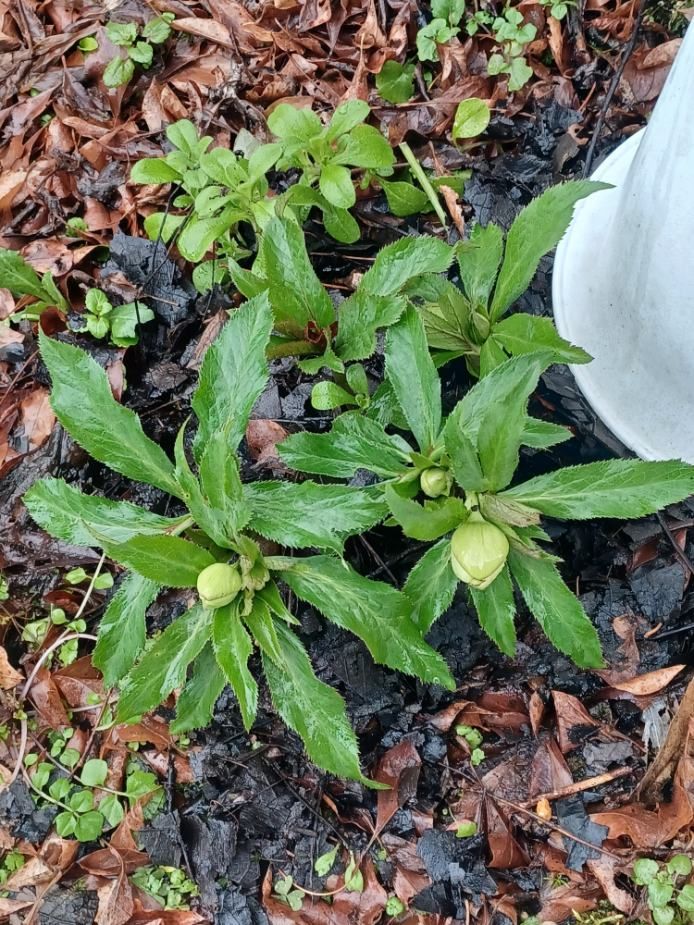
<point x="512" y="35"/>
<point x="557" y="8"/>
<point x="11" y="862"/>
<point x="119" y="322"/>
<point x="137" y="43"/>
<point x="473" y="737"/>
<point x="395" y="906"/>
<point x="443" y="27"/>
<point x="286" y="893"/>
<point x="35" y="632"/>
<point x="323" y="864"/>
<point x="395" y="82"/>
<point x="168" y="885"/>
<point x="219" y="189"/>
<point x="327" y="155"/>
<point x="670" y="900"/>
<point x="82" y="815"/>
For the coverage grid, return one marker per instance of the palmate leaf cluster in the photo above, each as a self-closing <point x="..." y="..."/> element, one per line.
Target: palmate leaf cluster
<point x="203" y="650"/>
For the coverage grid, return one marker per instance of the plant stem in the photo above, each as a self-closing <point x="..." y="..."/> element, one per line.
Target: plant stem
<point x="416" y="169"/>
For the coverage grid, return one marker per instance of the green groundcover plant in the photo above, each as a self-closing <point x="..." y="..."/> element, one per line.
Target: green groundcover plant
<point x="217" y="552"/>
<point x="221" y="189"/>
<point x="486" y="531"/>
<point x="468" y="321"/>
<point x="669" y="896"/>
<point x="137" y="43"/>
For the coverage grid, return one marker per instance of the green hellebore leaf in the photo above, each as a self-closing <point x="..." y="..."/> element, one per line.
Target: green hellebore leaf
<point x="167" y="560"/>
<point x="354" y="442"/>
<point x="523" y="333"/>
<point x="232" y="648"/>
<point x="308" y="514"/>
<point x="496" y="610"/>
<point x="622" y="488"/>
<point x="122" y="630"/>
<point x="557" y="610"/>
<point x="68" y="514"/>
<point x="233" y="375"/>
<point x="314" y="710"/>
<point x="162" y="668"/>
<point x="195" y="706"/>
<point x="83" y="403"/>
<point x="413" y="376"/>
<point x="471" y="119"/>
<point x="536" y="230"/>
<point x="431" y="585"/>
<point x="373" y="611"/>
<point x="429" y="521"/>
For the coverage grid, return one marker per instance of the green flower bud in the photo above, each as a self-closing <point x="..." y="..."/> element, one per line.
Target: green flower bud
<point x="218" y="584"/>
<point x="435" y="482"/>
<point x="478" y="551"/>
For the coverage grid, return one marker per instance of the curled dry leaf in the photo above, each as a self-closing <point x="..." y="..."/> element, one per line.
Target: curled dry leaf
<point x="650" y="683"/>
<point x="399" y="768"/>
<point x="574" y="722"/>
<point x="9" y="676"/>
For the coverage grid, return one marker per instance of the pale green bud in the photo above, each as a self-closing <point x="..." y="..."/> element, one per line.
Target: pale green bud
<point x="218" y="584"/>
<point x="478" y="551"/>
<point x="435" y="482"/>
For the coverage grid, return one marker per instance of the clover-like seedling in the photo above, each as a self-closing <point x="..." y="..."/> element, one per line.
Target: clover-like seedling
<point x="218" y="553"/>
<point x="326" y="155"/>
<point x="486" y="531"/>
<point x="443" y="27"/>
<point x="513" y="35"/>
<point x="137" y="44"/>
<point x="670" y="901"/>
<point x="495" y="270"/>
<point x="119" y="322"/>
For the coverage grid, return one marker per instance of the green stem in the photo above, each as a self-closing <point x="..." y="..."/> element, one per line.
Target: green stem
<point x="416" y="169"/>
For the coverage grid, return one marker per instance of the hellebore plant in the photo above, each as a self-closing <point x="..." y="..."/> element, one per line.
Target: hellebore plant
<point x="306" y="319"/>
<point x="469" y="322"/>
<point x="219" y="548"/>
<point x="486" y="531"/>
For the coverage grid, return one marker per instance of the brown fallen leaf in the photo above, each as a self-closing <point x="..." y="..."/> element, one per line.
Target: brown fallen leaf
<point x="645" y="684"/>
<point x="9" y="676"/>
<point x="574" y="722"/>
<point x="399" y="768"/>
